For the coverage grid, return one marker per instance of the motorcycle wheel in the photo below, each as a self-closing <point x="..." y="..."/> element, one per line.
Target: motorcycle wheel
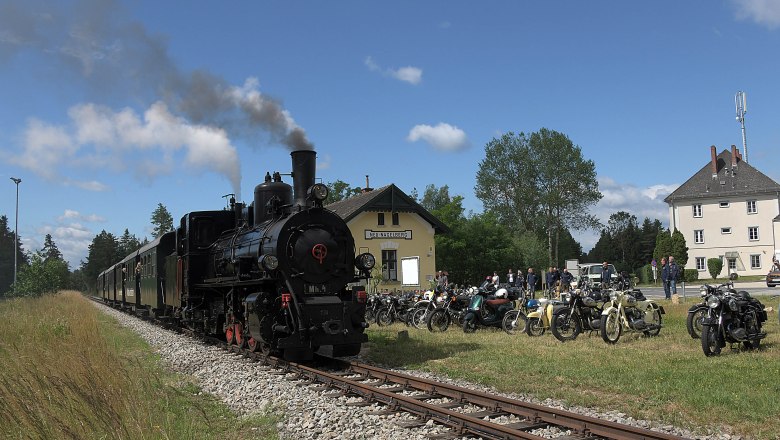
<point x="611" y="327"/>
<point x="514" y="321"/>
<point x="693" y="322"/>
<point x="370" y="315"/>
<point x="438" y="321"/>
<point x="755" y="344"/>
<point x="710" y="341"/>
<point x="655" y="314"/>
<point x="565" y="327"/>
<point x="418" y="318"/>
<point x="470" y="324"/>
<point x="534" y="327"/>
<point x="384" y="317"/>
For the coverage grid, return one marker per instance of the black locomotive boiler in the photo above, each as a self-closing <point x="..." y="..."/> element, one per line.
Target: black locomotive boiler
<point x="279" y="276"/>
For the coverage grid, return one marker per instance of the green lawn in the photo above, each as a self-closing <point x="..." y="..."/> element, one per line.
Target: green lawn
<point x="665" y="378"/>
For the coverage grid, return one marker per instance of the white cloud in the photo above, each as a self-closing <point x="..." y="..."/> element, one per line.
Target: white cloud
<point x="443" y="136"/>
<point x="641" y="202"/>
<point x="70" y="214"/>
<point x="763" y="12"/>
<point x="410" y="74"/>
<point x="99" y="136"/>
<point x="324" y="162"/>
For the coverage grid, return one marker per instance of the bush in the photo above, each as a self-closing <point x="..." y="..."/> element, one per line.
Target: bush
<point x="714" y="266"/>
<point x="690" y="275"/>
<point x="645" y="274"/>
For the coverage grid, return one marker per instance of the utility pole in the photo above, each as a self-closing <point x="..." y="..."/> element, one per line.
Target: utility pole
<point x="16" y="233"/>
<point x="741" y="105"/>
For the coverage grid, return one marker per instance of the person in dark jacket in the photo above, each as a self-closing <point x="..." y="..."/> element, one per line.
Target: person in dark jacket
<point x="531" y="279"/>
<point x="665" y="278"/>
<point x="606" y="274"/>
<point x="566" y="279"/>
<point x="674" y="272"/>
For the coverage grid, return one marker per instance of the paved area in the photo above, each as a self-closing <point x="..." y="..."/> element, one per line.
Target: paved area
<point x="755" y="288"/>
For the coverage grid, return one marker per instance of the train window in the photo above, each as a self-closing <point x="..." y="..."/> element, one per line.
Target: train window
<point x="380" y="219"/>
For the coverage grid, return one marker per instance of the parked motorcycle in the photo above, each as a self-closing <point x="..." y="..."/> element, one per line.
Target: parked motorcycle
<point x="454" y="310"/>
<point x="697" y="312"/>
<point x="539" y="320"/>
<point x="732" y="317"/>
<point x="515" y="321"/>
<point x="393" y="309"/>
<point x="629" y="311"/>
<point x="486" y="309"/>
<point x="581" y="312"/>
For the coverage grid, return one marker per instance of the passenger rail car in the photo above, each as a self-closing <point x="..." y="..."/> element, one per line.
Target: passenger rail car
<point x="279" y="276"/>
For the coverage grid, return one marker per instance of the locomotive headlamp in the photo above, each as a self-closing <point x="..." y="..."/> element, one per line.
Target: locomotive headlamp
<point x="319" y="191"/>
<point x="365" y="261"/>
<point x="268" y="262"/>
<point x="713" y="301"/>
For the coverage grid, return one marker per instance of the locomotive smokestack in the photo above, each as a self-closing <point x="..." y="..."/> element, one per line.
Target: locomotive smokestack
<point x="304" y="166"/>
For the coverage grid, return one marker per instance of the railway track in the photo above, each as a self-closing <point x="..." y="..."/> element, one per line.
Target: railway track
<point x="464" y="411"/>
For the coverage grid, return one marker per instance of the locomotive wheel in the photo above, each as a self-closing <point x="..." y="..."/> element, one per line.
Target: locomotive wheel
<point x="252" y="344"/>
<point x="230" y="334"/>
<point x="239" y="335"/>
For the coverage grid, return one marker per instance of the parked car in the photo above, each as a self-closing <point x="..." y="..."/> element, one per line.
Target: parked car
<point x="773" y="277"/>
<point x="592" y="271"/>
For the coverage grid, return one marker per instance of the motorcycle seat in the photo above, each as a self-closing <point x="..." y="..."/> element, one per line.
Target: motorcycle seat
<point x="497" y="302"/>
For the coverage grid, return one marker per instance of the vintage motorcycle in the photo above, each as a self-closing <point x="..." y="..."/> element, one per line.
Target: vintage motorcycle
<point x="486" y="309"/>
<point x="454" y="309"/>
<point x="393" y="309"/>
<point x="732" y="317"/>
<point x="628" y="310"/>
<point x="581" y="312"/>
<point x="540" y="319"/>
<point x="516" y="320"/>
<point x="697" y="312"/>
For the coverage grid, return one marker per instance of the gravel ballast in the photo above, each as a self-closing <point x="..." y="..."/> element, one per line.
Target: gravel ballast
<point x="250" y="388"/>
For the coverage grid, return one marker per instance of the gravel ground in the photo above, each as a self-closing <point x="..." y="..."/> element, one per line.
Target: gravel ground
<point x="249" y="388"/>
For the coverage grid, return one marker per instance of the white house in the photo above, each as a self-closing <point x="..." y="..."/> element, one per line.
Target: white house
<point x="728" y="210"/>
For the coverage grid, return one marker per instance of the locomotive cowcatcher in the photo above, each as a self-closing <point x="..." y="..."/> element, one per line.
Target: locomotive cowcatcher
<point x="279" y="276"/>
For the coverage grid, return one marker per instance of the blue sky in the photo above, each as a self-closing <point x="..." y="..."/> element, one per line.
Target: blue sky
<point x="109" y="108"/>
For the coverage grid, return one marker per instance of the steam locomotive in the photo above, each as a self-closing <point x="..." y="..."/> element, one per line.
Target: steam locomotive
<point x="279" y="276"/>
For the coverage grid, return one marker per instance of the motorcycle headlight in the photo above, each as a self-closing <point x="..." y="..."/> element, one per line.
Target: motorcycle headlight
<point x="703" y="291"/>
<point x="713" y="302"/>
<point x="733" y="304"/>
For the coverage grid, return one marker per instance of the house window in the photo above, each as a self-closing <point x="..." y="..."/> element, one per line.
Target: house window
<point x="755" y="261"/>
<point x="697" y="211"/>
<point x="395" y="219"/>
<point x="751" y="207"/>
<point x="732" y="263"/>
<point x="753" y="233"/>
<point x="724" y="204"/>
<point x="725" y="230"/>
<point x="700" y="264"/>
<point x="698" y="236"/>
<point x="380" y="219"/>
<point x="390" y="265"/>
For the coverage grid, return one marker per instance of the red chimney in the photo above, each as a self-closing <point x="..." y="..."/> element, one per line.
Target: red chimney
<point x="714" y="162"/>
<point x="733" y="156"/>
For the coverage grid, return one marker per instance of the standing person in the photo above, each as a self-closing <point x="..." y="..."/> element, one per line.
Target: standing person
<point x="566" y="279"/>
<point x="520" y="279"/>
<point x="606" y="275"/>
<point x="674" y="272"/>
<point x="495" y="279"/>
<point x="665" y="278"/>
<point x="510" y="278"/>
<point x="549" y="279"/>
<point x="531" y="281"/>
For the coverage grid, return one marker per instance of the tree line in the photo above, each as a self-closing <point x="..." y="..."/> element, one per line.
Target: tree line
<point x="45" y="271"/>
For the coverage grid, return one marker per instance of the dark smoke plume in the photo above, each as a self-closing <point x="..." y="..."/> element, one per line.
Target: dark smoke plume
<point x="92" y="40"/>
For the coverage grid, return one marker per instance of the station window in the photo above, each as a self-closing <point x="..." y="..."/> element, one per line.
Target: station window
<point x="380" y="218"/>
<point x="395" y="219"/>
<point x="390" y="265"/>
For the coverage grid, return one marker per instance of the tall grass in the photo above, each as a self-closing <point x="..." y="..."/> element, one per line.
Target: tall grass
<point x="665" y="378"/>
<point x="69" y="372"/>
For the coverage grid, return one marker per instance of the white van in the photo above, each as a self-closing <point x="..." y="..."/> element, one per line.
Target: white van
<point x="592" y="271"/>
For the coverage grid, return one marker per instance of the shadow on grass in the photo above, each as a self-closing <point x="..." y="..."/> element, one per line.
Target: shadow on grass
<point x="394" y="351"/>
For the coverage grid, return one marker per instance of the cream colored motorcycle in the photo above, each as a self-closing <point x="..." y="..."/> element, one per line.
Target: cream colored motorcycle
<point x="629" y="311"/>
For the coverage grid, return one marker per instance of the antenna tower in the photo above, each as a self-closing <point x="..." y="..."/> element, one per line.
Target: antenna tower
<point x="741" y="105"/>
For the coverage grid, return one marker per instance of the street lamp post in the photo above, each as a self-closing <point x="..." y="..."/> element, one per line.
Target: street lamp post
<point x="16" y="233"/>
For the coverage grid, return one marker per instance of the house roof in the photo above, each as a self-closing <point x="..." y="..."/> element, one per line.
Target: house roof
<point x="741" y="180"/>
<point x="386" y="198"/>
